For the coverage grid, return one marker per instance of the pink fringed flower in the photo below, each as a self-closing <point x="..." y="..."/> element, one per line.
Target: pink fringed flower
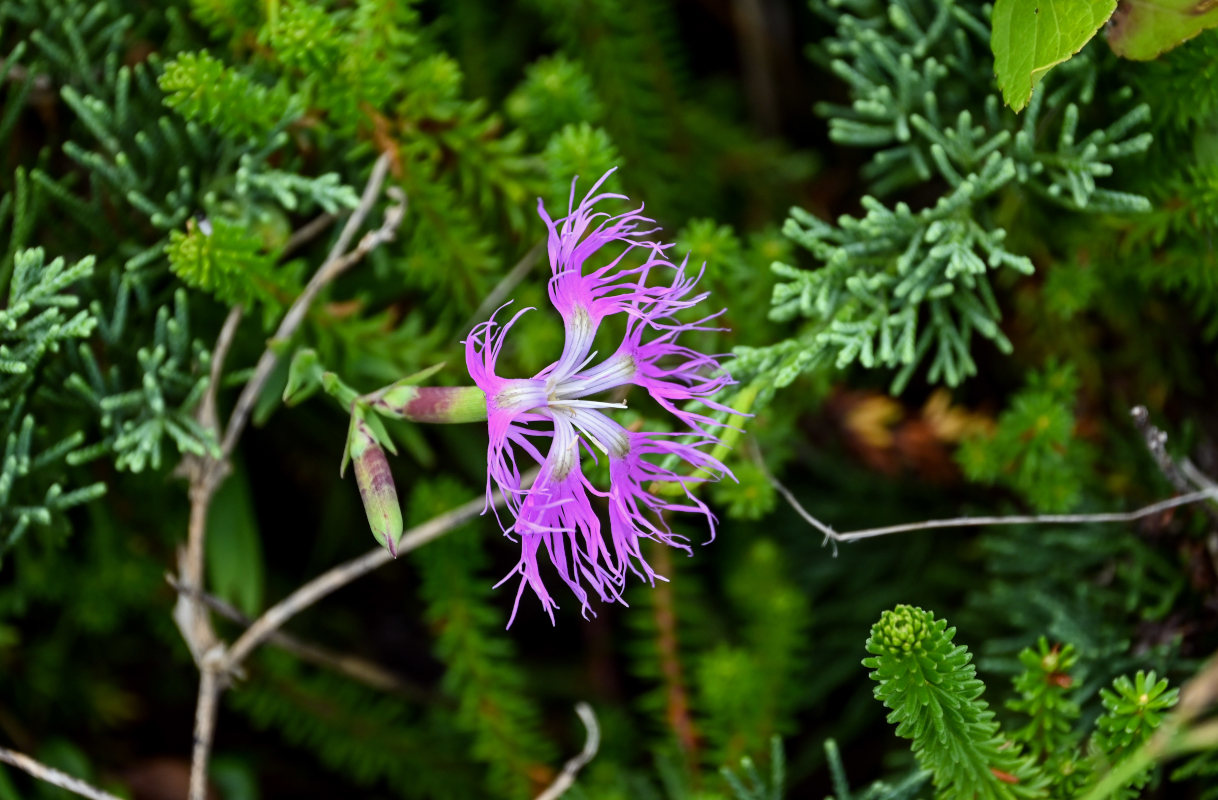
<point x="551" y="420"/>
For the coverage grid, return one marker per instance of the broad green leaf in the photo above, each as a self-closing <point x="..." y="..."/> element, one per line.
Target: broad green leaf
<point x="1030" y="37"/>
<point x="235" y="569"/>
<point x="1145" y="29"/>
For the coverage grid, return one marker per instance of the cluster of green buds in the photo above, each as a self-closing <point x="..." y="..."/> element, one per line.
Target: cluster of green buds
<point x="367" y="437"/>
<point x="903" y="629"/>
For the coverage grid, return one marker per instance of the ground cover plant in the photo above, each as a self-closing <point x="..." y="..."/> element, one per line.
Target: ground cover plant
<point x="608" y="399"/>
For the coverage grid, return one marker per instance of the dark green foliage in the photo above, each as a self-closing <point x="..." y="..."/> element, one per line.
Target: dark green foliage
<point x="372" y="739"/>
<point x="1133" y="709"/>
<point x="1044" y="687"/>
<point x="905" y="789"/>
<point x="555" y="92"/>
<point x="931" y="688"/>
<point x="1088" y="586"/>
<point x="900" y="284"/>
<point x="756" y="787"/>
<point x="1034" y="448"/>
<point x="749" y="689"/>
<point x="482" y="676"/>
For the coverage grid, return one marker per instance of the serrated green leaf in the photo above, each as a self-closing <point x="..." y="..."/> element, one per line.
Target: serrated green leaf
<point x="1148" y="28"/>
<point x="1030" y="37"/>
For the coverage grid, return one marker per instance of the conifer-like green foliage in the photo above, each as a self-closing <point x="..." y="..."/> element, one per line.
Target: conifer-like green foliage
<point x="1044" y="688"/>
<point x="227" y="260"/>
<point x="482" y="672"/>
<point x="1033" y="449"/>
<point x="41" y="316"/>
<point x="935" y="699"/>
<point x="1133" y="709"/>
<point x="163" y="163"/>
<point x="900" y="284"/>
<point x="748" y="691"/>
<point x="930" y="685"/>
<point x="136" y="414"/>
<point x="202" y="89"/>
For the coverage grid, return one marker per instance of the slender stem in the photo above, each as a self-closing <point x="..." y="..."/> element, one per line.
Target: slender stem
<point x="1210" y="493"/>
<point x="306" y="234"/>
<point x="53" y="776"/>
<point x="1031" y="519"/>
<point x="205" y="725"/>
<point x="566" y="778"/>
<point x="334" y="265"/>
<point x="207" y="473"/>
<point x="358" y="669"/>
<point x="274" y="617"/>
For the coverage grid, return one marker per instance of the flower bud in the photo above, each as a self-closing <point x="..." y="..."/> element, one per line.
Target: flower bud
<point x="376" y="489"/>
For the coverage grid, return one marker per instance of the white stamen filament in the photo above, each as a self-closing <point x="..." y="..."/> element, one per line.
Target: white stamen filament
<point x="561" y="403"/>
<point x="609" y="374"/>
<point x="603" y="432"/>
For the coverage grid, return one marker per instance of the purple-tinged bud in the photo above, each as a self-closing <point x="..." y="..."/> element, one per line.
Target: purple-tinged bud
<point x="434" y="404"/>
<point x="376" y="489"/>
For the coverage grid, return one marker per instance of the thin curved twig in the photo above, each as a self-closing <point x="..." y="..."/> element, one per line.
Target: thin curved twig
<point x="566" y="778"/>
<point x="53" y="776"/>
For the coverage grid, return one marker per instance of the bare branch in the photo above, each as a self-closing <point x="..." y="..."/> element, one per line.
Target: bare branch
<point x="1032" y="519"/>
<point x="505" y="286"/>
<point x="207" y="473"/>
<point x="334" y="265"/>
<point x="358" y="669"/>
<point x="306" y="233"/>
<point x="53" y="776"/>
<point x="566" y="778"/>
<point x="274" y="617"/>
<point x="1208" y="493"/>
<point x="1183" y="474"/>
<point x="210" y="687"/>
<point x="207" y="407"/>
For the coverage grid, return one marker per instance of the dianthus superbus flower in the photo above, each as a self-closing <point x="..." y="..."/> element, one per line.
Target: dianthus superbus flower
<point x="602" y="267"/>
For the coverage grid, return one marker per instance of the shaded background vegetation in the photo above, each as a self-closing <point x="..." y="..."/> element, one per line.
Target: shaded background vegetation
<point x="179" y="145"/>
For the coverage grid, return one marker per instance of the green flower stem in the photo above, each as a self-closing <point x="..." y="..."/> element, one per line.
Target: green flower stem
<point x="733" y="429"/>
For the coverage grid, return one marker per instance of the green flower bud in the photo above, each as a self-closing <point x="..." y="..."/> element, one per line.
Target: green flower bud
<point x="376" y="489"/>
<point x="904" y="629"/>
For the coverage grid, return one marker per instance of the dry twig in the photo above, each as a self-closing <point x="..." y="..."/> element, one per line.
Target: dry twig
<point x="53" y="776"/>
<point x="208" y="472"/>
<point x="566" y="778"/>
<point x="358" y="669"/>
<point x="275" y="616"/>
<point x="1207" y="493"/>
